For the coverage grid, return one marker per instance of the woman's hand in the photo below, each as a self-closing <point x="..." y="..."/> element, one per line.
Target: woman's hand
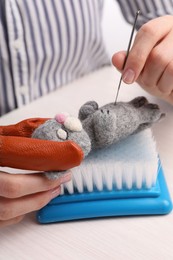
<point x="24" y="193"/>
<point x="150" y="61"/>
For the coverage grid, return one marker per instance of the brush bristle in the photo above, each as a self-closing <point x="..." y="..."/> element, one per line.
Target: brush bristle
<point x="130" y="164"/>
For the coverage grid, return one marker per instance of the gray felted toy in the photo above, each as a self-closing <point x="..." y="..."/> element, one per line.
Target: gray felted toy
<point x="100" y="127"/>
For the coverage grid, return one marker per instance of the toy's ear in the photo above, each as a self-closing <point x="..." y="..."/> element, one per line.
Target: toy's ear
<point x="87" y="109"/>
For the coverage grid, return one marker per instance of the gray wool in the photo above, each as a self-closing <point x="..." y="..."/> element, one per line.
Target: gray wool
<point x="112" y="123"/>
<point x="105" y="125"/>
<point x="48" y="131"/>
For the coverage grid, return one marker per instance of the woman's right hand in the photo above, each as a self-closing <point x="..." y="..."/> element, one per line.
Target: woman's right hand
<point x="150" y="61"/>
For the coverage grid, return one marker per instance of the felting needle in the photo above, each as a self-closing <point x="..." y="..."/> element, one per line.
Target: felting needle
<point x="127" y="54"/>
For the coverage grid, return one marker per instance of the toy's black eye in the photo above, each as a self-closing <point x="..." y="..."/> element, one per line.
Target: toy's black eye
<point x="101" y="110"/>
<point x="108" y="112"/>
<point x="62" y="134"/>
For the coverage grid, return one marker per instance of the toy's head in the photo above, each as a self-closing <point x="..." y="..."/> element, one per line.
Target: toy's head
<point x="64" y="127"/>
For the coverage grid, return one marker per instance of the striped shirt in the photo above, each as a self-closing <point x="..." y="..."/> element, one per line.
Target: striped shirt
<point x="149" y="9"/>
<point x="47" y="43"/>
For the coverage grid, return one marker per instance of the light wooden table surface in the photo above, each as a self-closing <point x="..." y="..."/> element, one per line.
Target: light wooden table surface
<point x="124" y="238"/>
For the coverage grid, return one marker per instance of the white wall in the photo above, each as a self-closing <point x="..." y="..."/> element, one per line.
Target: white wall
<point x="116" y="30"/>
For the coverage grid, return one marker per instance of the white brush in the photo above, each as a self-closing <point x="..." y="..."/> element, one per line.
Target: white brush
<point x="129" y="164"/>
<point x="121" y="180"/>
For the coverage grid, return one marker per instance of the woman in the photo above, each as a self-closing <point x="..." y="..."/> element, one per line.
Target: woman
<point x="45" y="44"/>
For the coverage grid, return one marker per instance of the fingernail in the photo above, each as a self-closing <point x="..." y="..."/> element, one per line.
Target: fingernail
<point x="128" y="76"/>
<point x="55" y="192"/>
<point x="65" y="178"/>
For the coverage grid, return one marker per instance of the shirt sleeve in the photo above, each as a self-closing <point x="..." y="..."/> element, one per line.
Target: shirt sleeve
<point x="149" y="9"/>
<point x="7" y="95"/>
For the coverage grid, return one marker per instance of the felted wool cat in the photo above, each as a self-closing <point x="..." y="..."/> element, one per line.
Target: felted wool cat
<point x="97" y="128"/>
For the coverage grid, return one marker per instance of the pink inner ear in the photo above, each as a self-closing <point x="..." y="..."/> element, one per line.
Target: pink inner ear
<point x="60" y="118"/>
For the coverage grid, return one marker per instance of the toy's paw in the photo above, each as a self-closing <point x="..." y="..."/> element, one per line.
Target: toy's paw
<point x="152" y="106"/>
<point x="153" y="113"/>
<point x="149" y="112"/>
<point x="87" y="109"/>
<point x="54" y="175"/>
<point x="139" y="102"/>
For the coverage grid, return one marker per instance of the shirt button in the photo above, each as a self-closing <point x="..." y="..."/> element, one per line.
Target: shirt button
<point x="23" y="90"/>
<point x="17" y="44"/>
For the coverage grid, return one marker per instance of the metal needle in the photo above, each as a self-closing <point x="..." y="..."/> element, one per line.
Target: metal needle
<point x="127" y="54"/>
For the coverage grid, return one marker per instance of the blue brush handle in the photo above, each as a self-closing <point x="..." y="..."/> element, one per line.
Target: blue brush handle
<point x="108" y="207"/>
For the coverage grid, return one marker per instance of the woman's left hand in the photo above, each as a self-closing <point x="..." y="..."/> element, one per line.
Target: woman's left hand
<point x="150" y="61"/>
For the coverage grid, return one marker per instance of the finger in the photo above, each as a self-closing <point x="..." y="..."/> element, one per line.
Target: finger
<point x="11" y="208"/>
<point x="15" y="186"/>
<point x="23" y="128"/>
<point x="118" y="60"/>
<point x="158" y="60"/>
<point x="39" y="155"/>
<point x="147" y="37"/>
<point x="165" y="84"/>
<point x="11" y="221"/>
